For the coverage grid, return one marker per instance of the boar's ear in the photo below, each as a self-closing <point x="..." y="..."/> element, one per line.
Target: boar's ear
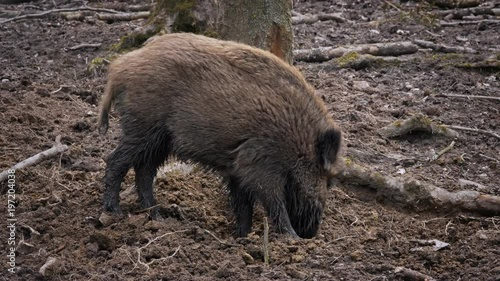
<point x="327" y="147"/>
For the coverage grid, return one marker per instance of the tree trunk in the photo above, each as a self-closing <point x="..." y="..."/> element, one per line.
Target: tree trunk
<point x="266" y="24"/>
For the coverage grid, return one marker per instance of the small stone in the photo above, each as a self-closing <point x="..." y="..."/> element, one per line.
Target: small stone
<point x="257" y="269"/>
<point x="293" y="272"/>
<point x="311" y="246"/>
<point x="357" y="255"/>
<point x="103" y="241"/>
<point x="5" y="80"/>
<point x="297" y="258"/>
<point x="106" y="219"/>
<point x="247" y="258"/>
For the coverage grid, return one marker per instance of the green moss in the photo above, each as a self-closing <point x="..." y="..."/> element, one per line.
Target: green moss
<point x="348" y="161"/>
<point x="211" y="33"/>
<point x="347" y="58"/>
<point x="135" y="40"/>
<point x="97" y="65"/>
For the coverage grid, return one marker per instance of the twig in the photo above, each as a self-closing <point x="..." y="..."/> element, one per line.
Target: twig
<point x="489" y="158"/>
<point x="50" y="261"/>
<point x="442" y="152"/>
<point x="468" y="96"/>
<point x="410" y="274"/>
<point x="474" y="130"/>
<point x="43" y="14"/>
<point x="86" y="45"/>
<point x="31" y="229"/>
<point x="58" y="249"/>
<point x="265" y="245"/>
<point x="146" y="209"/>
<point x="138" y="261"/>
<point x="443" y="48"/>
<point x="219" y="240"/>
<point x="56" y="149"/>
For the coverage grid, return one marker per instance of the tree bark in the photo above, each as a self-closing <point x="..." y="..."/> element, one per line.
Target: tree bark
<point x="264" y="24"/>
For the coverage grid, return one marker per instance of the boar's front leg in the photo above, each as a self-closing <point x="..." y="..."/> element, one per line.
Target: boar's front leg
<point x="276" y="209"/>
<point x="242" y="203"/>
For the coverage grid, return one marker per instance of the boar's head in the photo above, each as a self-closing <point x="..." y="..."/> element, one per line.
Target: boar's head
<point x="306" y="186"/>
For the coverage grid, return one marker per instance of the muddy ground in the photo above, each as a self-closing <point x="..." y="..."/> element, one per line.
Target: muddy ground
<point x="46" y="91"/>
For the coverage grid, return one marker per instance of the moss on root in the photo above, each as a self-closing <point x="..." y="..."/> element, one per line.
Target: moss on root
<point x="97" y="66"/>
<point x="135" y="40"/>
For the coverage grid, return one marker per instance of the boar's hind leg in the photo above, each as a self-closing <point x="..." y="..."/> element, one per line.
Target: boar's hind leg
<point x="153" y="153"/>
<point x="242" y="206"/>
<point x="117" y="166"/>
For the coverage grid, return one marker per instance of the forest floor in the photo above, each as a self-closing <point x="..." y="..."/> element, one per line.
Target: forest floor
<point x="46" y="90"/>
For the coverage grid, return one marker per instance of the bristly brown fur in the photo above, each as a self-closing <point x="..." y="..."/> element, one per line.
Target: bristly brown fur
<point x="231" y="107"/>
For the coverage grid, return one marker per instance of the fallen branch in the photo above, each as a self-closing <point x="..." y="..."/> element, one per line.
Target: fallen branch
<point x="443" y="48"/>
<point x="474" y="130"/>
<point x="417" y="194"/>
<point x="468" y="96"/>
<point x="412" y="275"/>
<point x="55" y="150"/>
<point x="455" y="3"/>
<point x="418" y="122"/>
<point x="377" y="49"/>
<point x="460" y="13"/>
<point x="123" y="16"/>
<point x="308" y="19"/>
<point x="466" y="22"/>
<point x="43" y="14"/>
<point x="120" y="6"/>
<point x="87" y="45"/>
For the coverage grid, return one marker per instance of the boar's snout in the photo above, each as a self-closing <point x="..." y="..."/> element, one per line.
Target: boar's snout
<point x="307" y="219"/>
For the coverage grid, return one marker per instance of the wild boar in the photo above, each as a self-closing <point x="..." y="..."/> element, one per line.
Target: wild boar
<point x="232" y="108"/>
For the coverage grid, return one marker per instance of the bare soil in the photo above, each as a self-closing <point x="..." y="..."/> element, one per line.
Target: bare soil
<point x="46" y="90"/>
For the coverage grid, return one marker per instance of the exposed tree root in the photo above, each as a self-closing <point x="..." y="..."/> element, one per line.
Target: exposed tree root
<point x="416" y="194"/>
<point x="378" y="49"/>
<point x="418" y="122"/>
<point x="443" y="48"/>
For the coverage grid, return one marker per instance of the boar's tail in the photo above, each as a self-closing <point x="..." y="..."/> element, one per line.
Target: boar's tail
<point x="109" y="95"/>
